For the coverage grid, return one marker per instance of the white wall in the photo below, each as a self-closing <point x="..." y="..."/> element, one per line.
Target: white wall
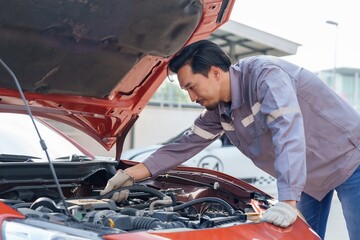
<point x="158" y="124"/>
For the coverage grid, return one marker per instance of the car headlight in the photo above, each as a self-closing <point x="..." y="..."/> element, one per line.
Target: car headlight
<point x="20" y="231"/>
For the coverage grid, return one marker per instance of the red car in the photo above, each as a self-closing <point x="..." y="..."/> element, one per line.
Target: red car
<point x="94" y="65"/>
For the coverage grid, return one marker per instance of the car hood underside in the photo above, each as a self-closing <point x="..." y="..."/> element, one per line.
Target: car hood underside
<point x="86" y="48"/>
<point x="95" y="64"/>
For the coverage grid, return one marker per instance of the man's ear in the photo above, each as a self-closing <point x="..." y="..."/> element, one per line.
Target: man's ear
<point x="216" y="72"/>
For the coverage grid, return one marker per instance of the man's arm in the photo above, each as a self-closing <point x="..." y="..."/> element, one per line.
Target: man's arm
<point x="168" y="156"/>
<point x="138" y="172"/>
<point x="277" y="96"/>
<point x="206" y="129"/>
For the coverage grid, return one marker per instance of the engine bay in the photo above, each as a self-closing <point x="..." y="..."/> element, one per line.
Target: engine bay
<point x="179" y="199"/>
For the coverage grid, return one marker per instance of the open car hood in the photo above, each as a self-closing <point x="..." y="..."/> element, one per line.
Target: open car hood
<point x="95" y="64"/>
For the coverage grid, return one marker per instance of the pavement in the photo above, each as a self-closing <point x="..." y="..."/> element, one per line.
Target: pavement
<point x="336" y="228"/>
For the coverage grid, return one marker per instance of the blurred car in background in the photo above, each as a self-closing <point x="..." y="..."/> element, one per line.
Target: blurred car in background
<point x="220" y="156"/>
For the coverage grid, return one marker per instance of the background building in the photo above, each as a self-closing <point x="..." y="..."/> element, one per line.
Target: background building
<point x="345" y="82"/>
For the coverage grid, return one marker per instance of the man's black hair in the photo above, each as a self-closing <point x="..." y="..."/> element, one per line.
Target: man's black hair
<point x="201" y="56"/>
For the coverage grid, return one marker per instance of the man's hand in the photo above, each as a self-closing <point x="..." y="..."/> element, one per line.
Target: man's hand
<point x="120" y="179"/>
<point x="281" y="214"/>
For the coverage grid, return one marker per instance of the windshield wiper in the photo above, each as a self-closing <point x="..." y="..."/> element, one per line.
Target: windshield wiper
<point x="16" y="158"/>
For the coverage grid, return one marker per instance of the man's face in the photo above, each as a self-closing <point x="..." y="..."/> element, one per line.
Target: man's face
<point x="201" y="89"/>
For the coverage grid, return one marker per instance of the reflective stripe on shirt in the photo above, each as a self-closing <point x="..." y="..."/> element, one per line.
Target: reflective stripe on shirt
<point x="227" y="126"/>
<point x="280" y="112"/>
<point x="250" y="119"/>
<point x="202" y="133"/>
<point x="272" y="116"/>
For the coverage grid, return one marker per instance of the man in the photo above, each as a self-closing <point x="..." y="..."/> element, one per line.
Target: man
<point x="281" y="116"/>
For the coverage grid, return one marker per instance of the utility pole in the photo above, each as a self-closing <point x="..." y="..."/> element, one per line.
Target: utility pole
<point x="335" y="47"/>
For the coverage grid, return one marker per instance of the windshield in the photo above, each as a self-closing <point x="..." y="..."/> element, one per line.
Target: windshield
<point x="18" y="137"/>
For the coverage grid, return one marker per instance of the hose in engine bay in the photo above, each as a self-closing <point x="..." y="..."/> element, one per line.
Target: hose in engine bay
<point x="227" y="206"/>
<point x="140" y="188"/>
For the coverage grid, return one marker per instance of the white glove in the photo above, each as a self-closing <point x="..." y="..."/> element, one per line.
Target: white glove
<point x="281" y="214"/>
<point x="120" y="179"/>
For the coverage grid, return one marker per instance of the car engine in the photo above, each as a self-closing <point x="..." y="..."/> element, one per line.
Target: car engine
<point x="179" y="199"/>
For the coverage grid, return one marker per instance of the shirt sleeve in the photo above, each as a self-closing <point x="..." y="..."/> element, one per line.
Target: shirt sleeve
<point x="205" y="130"/>
<point x="276" y="92"/>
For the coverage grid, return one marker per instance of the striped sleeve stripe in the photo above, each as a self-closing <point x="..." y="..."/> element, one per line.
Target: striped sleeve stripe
<point x="250" y="119"/>
<point x="256" y="108"/>
<point x="202" y="133"/>
<point x="280" y="112"/>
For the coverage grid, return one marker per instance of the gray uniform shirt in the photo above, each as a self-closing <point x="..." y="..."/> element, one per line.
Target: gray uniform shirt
<point x="286" y="120"/>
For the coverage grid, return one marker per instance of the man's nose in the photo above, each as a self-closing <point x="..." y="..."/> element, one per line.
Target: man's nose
<point x="192" y="95"/>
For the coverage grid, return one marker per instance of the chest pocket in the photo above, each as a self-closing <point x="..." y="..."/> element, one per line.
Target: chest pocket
<point x="230" y="133"/>
<point x="254" y="125"/>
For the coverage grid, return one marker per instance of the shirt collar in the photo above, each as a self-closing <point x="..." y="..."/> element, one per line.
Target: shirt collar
<point x="237" y="98"/>
<point x="236" y="86"/>
<point x="224" y="110"/>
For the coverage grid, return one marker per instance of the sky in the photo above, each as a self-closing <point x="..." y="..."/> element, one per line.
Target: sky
<point x="323" y="45"/>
